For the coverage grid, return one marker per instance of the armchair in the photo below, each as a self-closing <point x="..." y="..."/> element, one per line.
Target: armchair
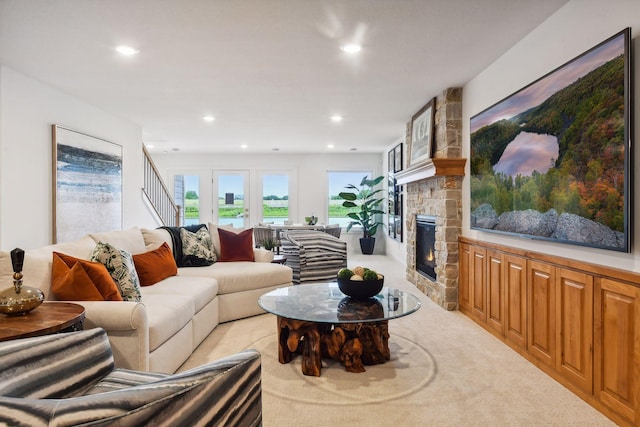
<point x="262" y="236"/>
<point x="313" y="255"/>
<point x="69" y="379"/>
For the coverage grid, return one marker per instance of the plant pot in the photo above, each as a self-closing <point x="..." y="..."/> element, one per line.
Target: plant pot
<point x="367" y="244"/>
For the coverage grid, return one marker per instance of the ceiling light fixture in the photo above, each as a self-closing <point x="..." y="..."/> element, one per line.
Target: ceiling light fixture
<point x="330" y="146"/>
<point x="127" y="50"/>
<point x="351" y="48"/>
<point x="244" y="146"/>
<point x="208" y="118"/>
<point x="336" y="118"/>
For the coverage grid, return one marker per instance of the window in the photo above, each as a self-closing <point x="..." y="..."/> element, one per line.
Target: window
<point x="231" y="198"/>
<point x="275" y="198"/>
<point x="338" y="182"/>
<point x="186" y="192"/>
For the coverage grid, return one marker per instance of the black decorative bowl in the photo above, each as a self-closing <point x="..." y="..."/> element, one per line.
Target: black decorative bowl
<point x="360" y="289"/>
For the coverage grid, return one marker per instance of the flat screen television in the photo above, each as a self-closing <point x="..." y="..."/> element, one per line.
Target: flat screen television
<point x="552" y="161"/>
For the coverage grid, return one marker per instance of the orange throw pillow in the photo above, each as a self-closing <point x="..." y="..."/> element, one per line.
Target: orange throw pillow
<point x="155" y="265"/>
<point x="236" y="247"/>
<point x="75" y="279"/>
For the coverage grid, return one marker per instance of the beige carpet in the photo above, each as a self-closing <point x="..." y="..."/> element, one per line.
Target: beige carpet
<point x="444" y="371"/>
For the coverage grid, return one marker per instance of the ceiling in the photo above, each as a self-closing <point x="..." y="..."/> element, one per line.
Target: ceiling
<point x="271" y="72"/>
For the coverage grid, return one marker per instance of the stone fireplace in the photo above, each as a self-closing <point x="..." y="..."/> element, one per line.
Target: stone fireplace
<point x="434" y="189"/>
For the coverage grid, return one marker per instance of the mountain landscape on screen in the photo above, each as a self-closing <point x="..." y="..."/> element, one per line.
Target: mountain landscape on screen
<point x="549" y="162"/>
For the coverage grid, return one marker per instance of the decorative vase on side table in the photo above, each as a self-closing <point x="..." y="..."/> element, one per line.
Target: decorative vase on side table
<point x="19" y="300"/>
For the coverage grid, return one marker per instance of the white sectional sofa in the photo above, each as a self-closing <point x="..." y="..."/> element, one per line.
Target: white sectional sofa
<point x="174" y="315"/>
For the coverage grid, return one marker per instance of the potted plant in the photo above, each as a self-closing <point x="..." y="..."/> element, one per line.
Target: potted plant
<point x="365" y="198"/>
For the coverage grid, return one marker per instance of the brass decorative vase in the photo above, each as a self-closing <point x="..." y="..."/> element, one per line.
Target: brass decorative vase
<point x="20" y="299"/>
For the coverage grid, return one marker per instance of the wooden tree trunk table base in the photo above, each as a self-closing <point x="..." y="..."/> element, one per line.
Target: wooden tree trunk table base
<point x="352" y="344"/>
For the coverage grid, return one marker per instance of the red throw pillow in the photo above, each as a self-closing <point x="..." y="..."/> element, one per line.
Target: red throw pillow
<point x="75" y="279"/>
<point x="236" y="247"/>
<point x="153" y="266"/>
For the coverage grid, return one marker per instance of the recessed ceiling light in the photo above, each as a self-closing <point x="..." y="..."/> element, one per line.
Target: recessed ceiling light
<point x="336" y="118"/>
<point x="275" y="149"/>
<point x="330" y="145"/>
<point x="244" y="146"/>
<point x="127" y="50"/>
<point x="150" y="146"/>
<point x="351" y="48"/>
<point x="175" y="149"/>
<point x="353" y="149"/>
<point x="208" y="118"/>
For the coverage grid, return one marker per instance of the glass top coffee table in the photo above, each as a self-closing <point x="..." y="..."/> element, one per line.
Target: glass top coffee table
<point x="318" y="321"/>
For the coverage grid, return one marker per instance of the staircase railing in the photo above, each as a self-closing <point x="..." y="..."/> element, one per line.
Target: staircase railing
<point x="158" y="195"/>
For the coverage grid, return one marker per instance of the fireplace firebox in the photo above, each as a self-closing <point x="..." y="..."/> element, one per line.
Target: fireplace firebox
<point x="425" y="246"/>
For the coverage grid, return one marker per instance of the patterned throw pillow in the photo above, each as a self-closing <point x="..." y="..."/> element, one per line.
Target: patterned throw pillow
<point x="120" y="266"/>
<point x="196" y="248"/>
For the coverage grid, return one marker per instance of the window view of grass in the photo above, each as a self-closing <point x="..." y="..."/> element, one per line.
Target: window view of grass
<point x="186" y="194"/>
<point x="338" y="182"/>
<point x="275" y="198"/>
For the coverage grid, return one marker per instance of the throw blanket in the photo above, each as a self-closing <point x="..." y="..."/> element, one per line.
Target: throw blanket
<point x="183" y="260"/>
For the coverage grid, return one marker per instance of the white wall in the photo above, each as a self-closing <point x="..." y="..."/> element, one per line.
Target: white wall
<point x="575" y="28"/>
<point x="28" y="108"/>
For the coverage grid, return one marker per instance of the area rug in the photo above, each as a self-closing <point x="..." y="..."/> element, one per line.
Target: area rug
<point x="410" y="369"/>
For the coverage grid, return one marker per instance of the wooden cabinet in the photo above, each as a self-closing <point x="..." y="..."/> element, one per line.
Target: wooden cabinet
<point x="574" y="327"/>
<point x="541" y="308"/>
<point x="464" y="301"/>
<point x="515" y="309"/>
<point x="477" y="283"/>
<point x="577" y="321"/>
<point x="617" y="347"/>
<point x="495" y="291"/>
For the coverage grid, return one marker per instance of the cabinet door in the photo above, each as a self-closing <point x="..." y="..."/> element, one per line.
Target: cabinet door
<point x="617" y="347"/>
<point x="541" y="310"/>
<point x="574" y="327"/>
<point x="515" y="284"/>
<point x="495" y="291"/>
<point x="463" y="279"/>
<point x="477" y="284"/>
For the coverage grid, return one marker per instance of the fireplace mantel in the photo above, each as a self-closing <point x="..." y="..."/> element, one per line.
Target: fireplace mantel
<point x="433" y="167"/>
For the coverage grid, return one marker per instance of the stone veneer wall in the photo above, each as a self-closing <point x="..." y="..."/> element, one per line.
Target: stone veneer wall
<point x="440" y="196"/>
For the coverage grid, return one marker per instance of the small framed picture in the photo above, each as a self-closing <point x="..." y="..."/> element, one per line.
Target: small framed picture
<point x="391" y="161"/>
<point x="397" y="167"/>
<point x="421" y="142"/>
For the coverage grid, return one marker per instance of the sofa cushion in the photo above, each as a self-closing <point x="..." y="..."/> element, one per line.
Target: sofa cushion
<point x="128" y="240"/>
<point x="75" y="279"/>
<point x="38" y="262"/>
<point x="236" y="247"/>
<point x="155" y="265"/>
<point x="243" y="275"/>
<point x="196" y="248"/>
<point x="167" y="314"/>
<point x="155" y="238"/>
<point x="120" y="266"/>
<point x="201" y="289"/>
<point x="215" y="236"/>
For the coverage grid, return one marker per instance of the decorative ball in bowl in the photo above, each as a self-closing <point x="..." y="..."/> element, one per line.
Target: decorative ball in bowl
<point x="360" y="283"/>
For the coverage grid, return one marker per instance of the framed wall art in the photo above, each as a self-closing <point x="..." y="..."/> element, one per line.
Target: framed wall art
<point x="420" y="147"/>
<point x="552" y="161"/>
<point x="87" y="184"/>
<point x="397" y="157"/>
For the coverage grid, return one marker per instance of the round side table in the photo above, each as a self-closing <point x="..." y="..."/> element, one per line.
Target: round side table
<point x="49" y="318"/>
